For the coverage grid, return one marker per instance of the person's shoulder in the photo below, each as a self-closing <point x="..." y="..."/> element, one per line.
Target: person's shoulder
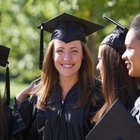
<point x="98" y="83"/>
<point x="33" y="99"/>
<point x="8" y="112"/>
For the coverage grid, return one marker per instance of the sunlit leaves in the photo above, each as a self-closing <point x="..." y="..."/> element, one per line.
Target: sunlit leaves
<point x="19" y="19"/>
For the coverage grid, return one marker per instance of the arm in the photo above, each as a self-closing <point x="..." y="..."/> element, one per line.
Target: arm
<point x="22" y="116"/>
<point x="23" y="110"/>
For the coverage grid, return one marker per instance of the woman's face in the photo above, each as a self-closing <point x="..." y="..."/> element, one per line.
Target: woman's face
<point x="99" y="66"/>
<point x="132" y="54"/>
<point x="67" y="57"/>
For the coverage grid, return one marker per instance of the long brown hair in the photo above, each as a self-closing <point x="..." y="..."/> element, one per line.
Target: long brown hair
<point x="116" y="83"/>
<point x="50" y="75"/>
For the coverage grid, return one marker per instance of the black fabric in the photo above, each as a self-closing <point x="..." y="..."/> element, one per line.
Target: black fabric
<point x="4" y="53"/>
<point x="58" y="121"/>
<point x="116" y="124"/>
<point x="7" y="88"/>
<point x="135" y="112"/>
<point x="91" y="110"/>
<point x="41" y="55"/>
<point x="64" y="20"/>
<point x="116" y="38"/>
<point x="8" y="115"/>
<point x="69" y="31"/>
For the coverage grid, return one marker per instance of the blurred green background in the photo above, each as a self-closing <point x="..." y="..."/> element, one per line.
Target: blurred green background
<point x="19" y="19"/>
<point x="15" y="88"/>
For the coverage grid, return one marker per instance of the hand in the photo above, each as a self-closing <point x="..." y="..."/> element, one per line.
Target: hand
<point x="20" y="97"/>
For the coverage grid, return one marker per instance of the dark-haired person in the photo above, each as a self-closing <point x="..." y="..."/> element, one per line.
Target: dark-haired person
<point x="116" y="83"/>
<point x="5" y="110"/>
<point x="113" y="120"/>
<point x="131" y="57"/>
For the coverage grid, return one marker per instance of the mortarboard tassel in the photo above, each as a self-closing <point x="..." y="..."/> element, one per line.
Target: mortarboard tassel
<point x="41" y="47"/>
<point x="7" y="88"/>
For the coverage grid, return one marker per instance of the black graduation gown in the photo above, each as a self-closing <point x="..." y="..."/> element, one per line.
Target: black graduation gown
<point x="136" y="107"/>
<point x="7" y="122"/>
<point x="60" y="120"/>
<point x="8" y="115"/>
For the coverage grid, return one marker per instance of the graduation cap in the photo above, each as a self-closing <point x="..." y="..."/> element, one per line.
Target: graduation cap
<point x="117" y="37"/>
<point x="116" y="124"/>
<point x="4" y="53"/>
<point x="67" y="28"/>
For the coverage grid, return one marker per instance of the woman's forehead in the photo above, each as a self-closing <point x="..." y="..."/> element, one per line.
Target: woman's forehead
<point x="59" y="43"/>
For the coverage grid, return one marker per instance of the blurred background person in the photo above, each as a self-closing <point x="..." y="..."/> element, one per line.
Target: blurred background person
<point x="5" y="111"/>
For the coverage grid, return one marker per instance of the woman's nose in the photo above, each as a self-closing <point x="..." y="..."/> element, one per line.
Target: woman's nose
<point x="67" y="56"/>
<point x="97" y="67"/>
<point x="124" y="55"/>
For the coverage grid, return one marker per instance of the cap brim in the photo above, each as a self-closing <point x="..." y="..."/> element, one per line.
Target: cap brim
<point x="116" y="23"/>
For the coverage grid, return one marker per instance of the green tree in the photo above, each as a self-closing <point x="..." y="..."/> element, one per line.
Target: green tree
<point x="19" y="19"/>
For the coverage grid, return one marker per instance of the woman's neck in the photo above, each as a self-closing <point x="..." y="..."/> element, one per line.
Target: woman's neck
<point x="66" y="85"/>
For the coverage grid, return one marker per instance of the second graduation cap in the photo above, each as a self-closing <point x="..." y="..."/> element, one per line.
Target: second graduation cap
<point x="67" y="28"/>
<point x="116" y="38"/>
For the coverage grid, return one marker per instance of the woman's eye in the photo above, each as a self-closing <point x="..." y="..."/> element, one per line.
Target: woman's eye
<point x="99" y="59"/>
<point x="74" y="51"/>
<point x="59" y="51"/>
<point x="129" y="48"/>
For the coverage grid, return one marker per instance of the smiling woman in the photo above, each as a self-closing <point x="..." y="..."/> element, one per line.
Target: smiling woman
<point x="68" y="58"/>
<point x="67" y="94"/>
<point x="132" y="59"/>
<point x="132" y="53"/>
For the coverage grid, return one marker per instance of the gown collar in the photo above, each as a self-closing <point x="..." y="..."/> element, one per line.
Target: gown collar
<point x="57" y="91"/>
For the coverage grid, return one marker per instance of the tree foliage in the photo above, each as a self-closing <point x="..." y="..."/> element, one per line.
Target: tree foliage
<point x="19" y="19"/>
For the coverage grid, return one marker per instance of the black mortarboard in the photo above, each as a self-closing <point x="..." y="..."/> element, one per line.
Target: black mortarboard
<point x="4" y="53"/>
<point x="116" y="38"/>
<point x="67" y="28"/>
<point x="116" y="124"/>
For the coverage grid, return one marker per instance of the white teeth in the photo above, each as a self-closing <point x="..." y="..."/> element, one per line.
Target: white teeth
<point x="128" y="65"/>
<point x="67" y="66"/>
